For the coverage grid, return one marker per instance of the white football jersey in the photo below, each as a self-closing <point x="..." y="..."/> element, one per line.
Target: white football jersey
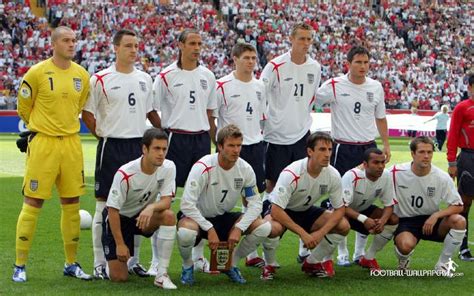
<point x="211" y="191"/>
<point x="184" y="97"/>
<point x="120" y="102"/>
<point x="243" y="104"/>
<point x="290" y="90"/>
<point x="132" y="190"/>
<point x="360" y="192"/>
<point x="422" y="195"/>
<point x="296" y="190"/>
<point x="354" y="107"/>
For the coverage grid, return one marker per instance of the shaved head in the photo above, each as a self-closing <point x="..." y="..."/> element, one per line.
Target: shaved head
<point x="59" y="31"/>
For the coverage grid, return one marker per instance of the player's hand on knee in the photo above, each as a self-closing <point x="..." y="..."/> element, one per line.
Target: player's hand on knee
<point x="379" y="226"/>
<point x="370" y="224"/>
<point x="309" y="241"/>
<point x="234" y="237"/>
<point x="123" y="254"/>
<point x="212" y="238"/>
<point x="429" y="225"/>
<point x="143" y="220"/>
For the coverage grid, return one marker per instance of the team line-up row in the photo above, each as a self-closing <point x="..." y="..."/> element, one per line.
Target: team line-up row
<point x="276" y="109"/>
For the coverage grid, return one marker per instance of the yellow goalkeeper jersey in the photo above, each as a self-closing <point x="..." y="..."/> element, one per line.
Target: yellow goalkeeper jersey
<point x="50" y="98"/>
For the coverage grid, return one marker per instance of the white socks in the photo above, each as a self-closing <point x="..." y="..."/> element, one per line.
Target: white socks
<point x="359" y="245"/>
<point x="269" y="250"/>
<point x="251" y="241"/>
<point x="99" y="257"/>
<point x="166" y="236"/>
<point x="154" y="247"/>
<point x="452" y="241"/>
<point x="198" y="251"/>
<point x="186" y="241"/>
<point x="325" y="248"/>
<point x="380" y="240"/>
<point x="342" y="250"/>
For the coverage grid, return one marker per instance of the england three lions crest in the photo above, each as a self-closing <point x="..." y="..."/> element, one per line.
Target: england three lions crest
<point x="323" y="189"/>
<point x="238" y="183"/>
<point x="77" y="84"/>
<point x="310" y="78"/>
<point x="142" y="86"/>
<point x="431" y="192"/>
<point x="370" y="96"/>
<point x="203" y="84"/>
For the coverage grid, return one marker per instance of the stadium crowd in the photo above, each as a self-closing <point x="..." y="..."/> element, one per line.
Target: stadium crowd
<point x="419" y="52"/>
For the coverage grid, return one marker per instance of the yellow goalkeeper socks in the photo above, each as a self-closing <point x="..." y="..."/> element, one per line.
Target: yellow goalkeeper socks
<point x="70" y="228"/>
<point x="25" y="230"/>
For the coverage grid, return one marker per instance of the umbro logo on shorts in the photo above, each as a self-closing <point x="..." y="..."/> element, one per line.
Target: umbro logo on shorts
<point x="115" y="88"/>
<point x="178" y="85"/>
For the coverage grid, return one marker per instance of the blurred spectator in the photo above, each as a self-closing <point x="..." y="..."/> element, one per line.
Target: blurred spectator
<point x="417" y="50"/>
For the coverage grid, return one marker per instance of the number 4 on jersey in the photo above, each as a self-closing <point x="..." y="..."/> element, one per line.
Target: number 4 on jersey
<point x="249" y="108"/>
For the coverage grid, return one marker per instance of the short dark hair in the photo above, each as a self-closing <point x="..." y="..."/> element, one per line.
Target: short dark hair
<point x="421" y="139"/>
<point x="355" y="50"/>
<point x="152" y="134"/>
<point x="228" y="131"/>
<point x="240" y="48"/>
<point x="369" y="151"/>
<point x="301" y="26"/>
<point x="119" y="35"/>
<point x="315" y="137"/>
<point x="471" y="79"/>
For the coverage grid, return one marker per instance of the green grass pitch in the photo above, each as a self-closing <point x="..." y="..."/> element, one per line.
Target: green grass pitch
<point x="46" y="259"/>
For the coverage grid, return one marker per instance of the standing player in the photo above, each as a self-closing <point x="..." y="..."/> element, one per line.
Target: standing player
<point x="357" y="112"/>
<point x="51" y="96"/>
<point x="133" y="208"/>
<point x="214" y="186"/>
<point x="420" y="187"/>
<point x="241" y="101"/>
<point x="361" y="186"/>
<point x="120" y="101"/>
<point x="299" y="187"/>
<point x="442" y="119"/>
<point x="461" y="134"/>
<point x="291" y="81"/>
<point x="185" y="92"/>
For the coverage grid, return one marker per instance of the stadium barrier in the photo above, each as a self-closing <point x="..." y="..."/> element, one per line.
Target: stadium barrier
<point x="399" y="123"/>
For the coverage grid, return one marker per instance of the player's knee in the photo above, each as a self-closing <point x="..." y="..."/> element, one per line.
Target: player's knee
<point x="393" y="220"/>
<point x="404" y="246"/>
<point x="263" y="230"/>
<point x="343" y="227"/>
<point x="186" y="237"/>
<point x="277" y="230"/>
<point x="457" y="222"/>
<point x="168" y="217"/>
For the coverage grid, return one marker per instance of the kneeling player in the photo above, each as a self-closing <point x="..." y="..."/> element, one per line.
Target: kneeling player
<point x="299" y="186"/>
<point x="360" y="188"/>
<point x="132" y="208"/>
<point x="420" y="187"/>
<point x="214" y="186"/>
